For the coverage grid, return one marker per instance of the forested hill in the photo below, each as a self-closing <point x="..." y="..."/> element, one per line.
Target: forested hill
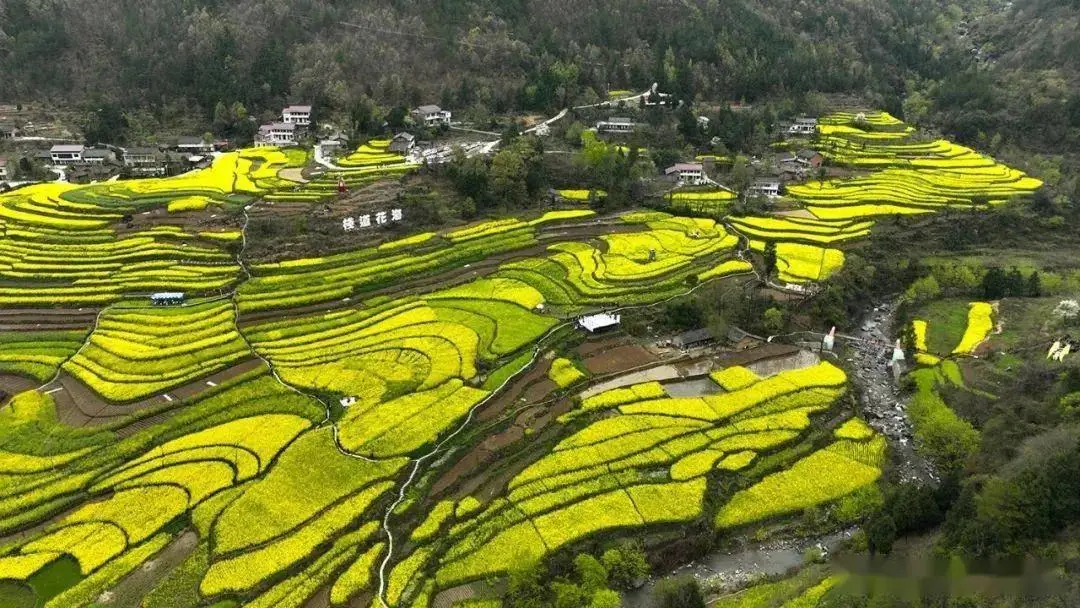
<point x="1022" y="81"/>
<point x="529" y="54"/>
<point x="975" y="69"/>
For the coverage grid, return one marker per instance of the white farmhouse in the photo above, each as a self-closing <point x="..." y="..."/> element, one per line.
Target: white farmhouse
<point x="276" y="134"/>
<point x="63" y="154"/>
<point x="769" y="188"/>
<point x="692" y="174"/>
<point x="803" y="126"/>
<point x="616" y="124"/>
<point x="297" y="115"/>
<point x="431" y="116"/>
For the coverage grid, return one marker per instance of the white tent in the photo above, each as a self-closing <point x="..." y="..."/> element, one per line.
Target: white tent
<point x="593" y="323"/>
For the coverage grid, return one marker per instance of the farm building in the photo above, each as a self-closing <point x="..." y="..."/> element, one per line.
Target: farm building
<point x="334" y="141"/>
<point x="276" y="134"/>
<point x="402" y="143"/>
<point x="803" y="126"/>
<point x="431" y="116"/>
<point x="810" y="157"/>
<point x="192" y="145"/>
<point x="5" y="169"/>
<point x="67" y="153"/>
<point x="8" y="132"/>
<point x="167" y="298"/>
<point x="144" y="161"/>
<point x="598" y="322"/>
<point x="98" y="156"/>
<point x="692" y="338"/>
<point x="616" y="124"/>
<point x="687" y="173"/>
<point x="769" y="188"/>
<point x="297" y="115"/>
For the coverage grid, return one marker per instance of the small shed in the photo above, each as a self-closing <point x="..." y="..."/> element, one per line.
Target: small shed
<point x="692" y="338"/>
<point x="810" y="157"/>
<point x="167" y="298"/>
<point x="598" y="322"/>
<point x="402" y="143"/>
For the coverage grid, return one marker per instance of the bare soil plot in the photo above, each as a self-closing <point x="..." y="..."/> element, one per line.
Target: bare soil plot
<point x="10" y="385"/>
<point x="30" y="319"/>
<point x="618" y="359"/>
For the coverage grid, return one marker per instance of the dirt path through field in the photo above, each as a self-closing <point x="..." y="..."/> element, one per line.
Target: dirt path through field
<point x="129" y="592"/>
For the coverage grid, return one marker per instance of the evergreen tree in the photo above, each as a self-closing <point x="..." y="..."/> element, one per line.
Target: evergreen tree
<point x="1034" y="285"/>
<point x="770" y="259"/>
<point x="524" y="586"/>
<point x="1014" y="284"/>
<point x="625" y="565"/>
<point x="993" y="284"/>
<point x="678" y="592"/>
<point x="881" y="533"/>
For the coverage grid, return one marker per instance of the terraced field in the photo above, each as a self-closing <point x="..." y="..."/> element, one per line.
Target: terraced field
<point x="291" y="416"/>
<point x="706" y="202"/>
<point x="909" y="175"/>
<point x="906" y="176"/>
<point x="286" y="489"/>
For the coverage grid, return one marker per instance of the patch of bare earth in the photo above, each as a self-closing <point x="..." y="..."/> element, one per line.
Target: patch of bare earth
<point x="619" y="359"/>
<point x="11" y="384"/>
<point x="45" y="319"/>
<point x="133" y="587"/>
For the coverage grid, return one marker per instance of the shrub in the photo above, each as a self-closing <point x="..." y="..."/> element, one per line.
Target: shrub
<point x="564" y="373"/>
<point x="678" y="592"/>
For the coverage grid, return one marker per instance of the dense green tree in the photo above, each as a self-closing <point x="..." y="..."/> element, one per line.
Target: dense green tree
<point x="625" y="565"/>
<point x="568" y="595"/>
<point x="923" y="290"/>
<point x="682" y="315"/>
<point x="1015" y="286"/>
<point x="508" y="177"/>
<point x="1034" y="498"/>
<point x="773" y="320"/>
<point x="994" y="284"/>
<point x="678" y="592"/>
<point x="395" y="119"/>
<point x="361" y="118"/>
<point x="769" y="256"/>
<point x="740" y="176"/>
<point x="881" y="533"/>
<point x="1034" y="285"/>
<point x="590" y="572"/>
<point x="104" y="123"/>
<point x="524" y="586"/>
<point x="605" y="598"/>
<point x="913" y="508"/>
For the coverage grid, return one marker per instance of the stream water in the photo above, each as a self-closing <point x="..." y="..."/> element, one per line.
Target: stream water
<point x="733" y="569"/>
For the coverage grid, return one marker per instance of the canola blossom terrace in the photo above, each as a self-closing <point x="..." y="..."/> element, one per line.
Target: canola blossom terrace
<point x="327" y="424"/>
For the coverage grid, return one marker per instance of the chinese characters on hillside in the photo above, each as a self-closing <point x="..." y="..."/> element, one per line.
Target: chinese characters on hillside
<point x="372" y="219"/>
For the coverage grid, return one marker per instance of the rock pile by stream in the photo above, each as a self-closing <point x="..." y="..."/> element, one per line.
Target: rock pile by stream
<point x="880" y="398"/>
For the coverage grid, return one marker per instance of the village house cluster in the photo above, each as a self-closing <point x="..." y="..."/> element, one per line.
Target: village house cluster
<point x="84" y="163"/>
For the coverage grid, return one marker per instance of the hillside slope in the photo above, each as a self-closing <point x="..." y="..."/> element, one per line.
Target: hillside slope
<point x="500" y="53"/>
